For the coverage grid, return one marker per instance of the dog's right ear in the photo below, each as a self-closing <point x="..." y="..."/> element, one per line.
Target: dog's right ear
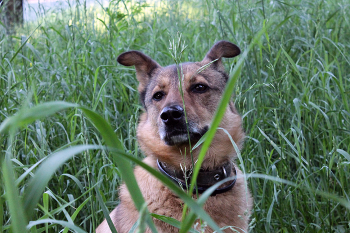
<point x="219" y="50"/>
<point x="144" y="66"/>
<point x="222" y="49"/>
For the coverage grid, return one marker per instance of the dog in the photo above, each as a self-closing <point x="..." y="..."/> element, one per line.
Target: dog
<point x="171" y="122"/>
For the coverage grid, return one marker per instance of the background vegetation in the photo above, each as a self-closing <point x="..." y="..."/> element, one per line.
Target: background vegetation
<point x="293" y="94"/>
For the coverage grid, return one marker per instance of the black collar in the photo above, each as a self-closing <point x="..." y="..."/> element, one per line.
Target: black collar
<point x="205" y="179"/>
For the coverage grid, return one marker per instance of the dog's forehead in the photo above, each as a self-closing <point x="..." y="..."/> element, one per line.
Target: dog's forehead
<point x="170" y="71"/>
<point x="184" y="70"/>
<point x="170" y="75"/>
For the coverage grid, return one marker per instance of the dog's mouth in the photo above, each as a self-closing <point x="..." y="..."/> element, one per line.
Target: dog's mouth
<point x="173" y="137"/>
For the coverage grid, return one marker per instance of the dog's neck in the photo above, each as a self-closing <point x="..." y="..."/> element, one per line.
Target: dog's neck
<point x="205" y="179"/>
<point x="179" y="158"/>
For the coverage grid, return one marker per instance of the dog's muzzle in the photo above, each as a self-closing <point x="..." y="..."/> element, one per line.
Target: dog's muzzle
<point x="173" y="129"/>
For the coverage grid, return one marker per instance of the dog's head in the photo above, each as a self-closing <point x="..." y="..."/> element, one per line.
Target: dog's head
<point x="180" y="102"/>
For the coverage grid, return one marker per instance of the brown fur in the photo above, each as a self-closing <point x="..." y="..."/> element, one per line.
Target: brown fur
<point x="231" y="208"/>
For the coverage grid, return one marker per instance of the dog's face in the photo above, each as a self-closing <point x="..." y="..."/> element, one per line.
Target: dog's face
<point x="174" y="95"/>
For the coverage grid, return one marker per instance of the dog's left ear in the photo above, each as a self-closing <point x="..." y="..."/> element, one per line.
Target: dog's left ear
<point x="144" y="65"/>
<point x="221" y="49"/>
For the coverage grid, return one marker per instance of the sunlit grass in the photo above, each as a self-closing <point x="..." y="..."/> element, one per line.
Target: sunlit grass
<point x="293" y="95"/>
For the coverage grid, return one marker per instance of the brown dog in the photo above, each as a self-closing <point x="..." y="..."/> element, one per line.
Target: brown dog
<point x="164" y="137"/>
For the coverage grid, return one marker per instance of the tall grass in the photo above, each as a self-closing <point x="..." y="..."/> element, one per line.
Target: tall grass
<point x="293" y="95"/>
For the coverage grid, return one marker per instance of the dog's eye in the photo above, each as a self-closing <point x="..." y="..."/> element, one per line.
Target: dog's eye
<point x="158" y="96"/>
<point x="199" y="88"/>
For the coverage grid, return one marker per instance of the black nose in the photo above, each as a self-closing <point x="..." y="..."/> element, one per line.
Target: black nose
<point x="172" y="114"/>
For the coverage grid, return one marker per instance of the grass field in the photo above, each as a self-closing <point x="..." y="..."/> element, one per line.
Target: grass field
<point x="63" y="96"/>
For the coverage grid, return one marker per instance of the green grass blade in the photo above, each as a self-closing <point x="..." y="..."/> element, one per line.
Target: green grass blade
<point x="18" y="216"/>
<point x="26" y="116"/>
<point x="292" y="63"/>
<point x="271" y="142"/>
<point x="53" y="221"/>
<point x="105" y="211"/>
<point x="171" y="221"/>
<point x="344" y="153"/>
<point x="95" y="103"/>
<point x="141" y="222"/>
<point x="28" y="171"/>
<point x="77" y="211"/>
<point x="105" y="130"/>
<point x="23" y="44"/>
<point x="1" y="209"/>
<point x="76" y="180"/>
